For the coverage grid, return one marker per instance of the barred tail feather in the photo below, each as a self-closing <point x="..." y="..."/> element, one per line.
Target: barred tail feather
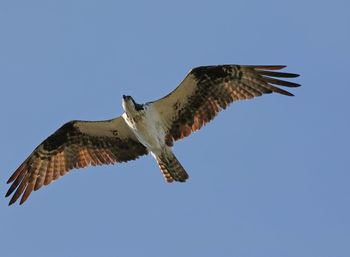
<point x="171" y="168"/>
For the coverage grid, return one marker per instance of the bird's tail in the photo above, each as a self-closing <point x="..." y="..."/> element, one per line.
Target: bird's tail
<point x="171" y="168"/>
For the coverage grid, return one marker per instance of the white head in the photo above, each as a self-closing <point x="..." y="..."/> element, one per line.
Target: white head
<point x="130" y="106"/>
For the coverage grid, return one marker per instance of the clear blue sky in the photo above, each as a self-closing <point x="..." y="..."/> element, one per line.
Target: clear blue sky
<point x="269" y="177"/>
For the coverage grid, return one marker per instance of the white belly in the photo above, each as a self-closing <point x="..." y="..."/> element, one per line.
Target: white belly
<point x="148" y="128"/>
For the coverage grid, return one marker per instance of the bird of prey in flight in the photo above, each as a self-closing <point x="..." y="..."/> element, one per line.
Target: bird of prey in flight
<point x="146" y="128"/>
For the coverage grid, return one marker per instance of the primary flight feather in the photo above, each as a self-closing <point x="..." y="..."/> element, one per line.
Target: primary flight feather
<point x="146" y="128"/>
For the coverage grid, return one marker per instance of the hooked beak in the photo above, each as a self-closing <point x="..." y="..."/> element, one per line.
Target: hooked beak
<point x="126" y="97"/>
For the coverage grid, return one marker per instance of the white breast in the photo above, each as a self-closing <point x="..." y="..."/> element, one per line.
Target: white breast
<point x="148" y="128"/>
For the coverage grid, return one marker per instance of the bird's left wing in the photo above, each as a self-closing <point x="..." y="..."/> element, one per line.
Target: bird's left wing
<point x="208" y="89"/>
<point x="75" y="145"/>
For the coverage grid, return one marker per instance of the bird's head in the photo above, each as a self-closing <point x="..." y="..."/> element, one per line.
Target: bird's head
<point x="130" y="105"/>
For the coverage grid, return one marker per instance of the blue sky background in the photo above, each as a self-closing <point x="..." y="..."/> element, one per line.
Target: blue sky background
<point x="269" y="177"/>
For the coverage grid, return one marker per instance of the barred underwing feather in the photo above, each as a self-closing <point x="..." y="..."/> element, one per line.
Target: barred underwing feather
<point x="75" y="145"/>
<point x="208" y="89"/>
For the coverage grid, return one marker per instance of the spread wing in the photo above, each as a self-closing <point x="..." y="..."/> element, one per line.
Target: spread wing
<point x="75" y="145"/>
<point x="207" y="90"/>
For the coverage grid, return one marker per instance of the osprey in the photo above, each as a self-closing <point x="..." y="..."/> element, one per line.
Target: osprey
<point x="146" y="128"/>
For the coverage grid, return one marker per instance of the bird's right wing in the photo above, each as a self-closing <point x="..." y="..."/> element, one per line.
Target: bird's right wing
<point x="208" y="89"/>
<point x="75" y="145"/>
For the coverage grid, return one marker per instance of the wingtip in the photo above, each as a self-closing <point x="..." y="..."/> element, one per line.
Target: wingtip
<point x="26" y="193"/>
<point x="291" y="75"/>
<point x="8" y="193"/>
<point x="17" y="172"/>
<point x="269" y="67"/>
<point x="12" y="201"/>
<point x="284" y="92"/>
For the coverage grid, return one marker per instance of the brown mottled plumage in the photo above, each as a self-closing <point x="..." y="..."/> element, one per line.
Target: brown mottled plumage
<point x="77" y="144"/>
<point x="151" y="127"/>
<point x="207" y="90"/>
